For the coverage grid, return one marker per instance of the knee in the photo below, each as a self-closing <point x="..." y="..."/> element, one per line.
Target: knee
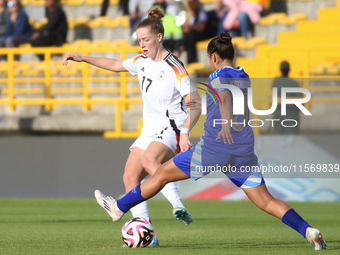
<point x="148" y="163"/>
<point x="130" y="179"/>
<point x="161" y="175"/>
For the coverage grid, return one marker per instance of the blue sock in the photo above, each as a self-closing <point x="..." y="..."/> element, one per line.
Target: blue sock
<point x="130" y="199"/>
<point x="294" y="220"/>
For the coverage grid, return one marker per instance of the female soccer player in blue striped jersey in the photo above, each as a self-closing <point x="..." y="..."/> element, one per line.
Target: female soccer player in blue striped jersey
<point x="226" y="145"/>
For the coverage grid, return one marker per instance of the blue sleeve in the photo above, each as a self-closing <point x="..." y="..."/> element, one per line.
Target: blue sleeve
<point x="223" y="80"/>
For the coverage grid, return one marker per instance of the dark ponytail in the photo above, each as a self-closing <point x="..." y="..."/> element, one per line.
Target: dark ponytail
<point x="223" y="46"/>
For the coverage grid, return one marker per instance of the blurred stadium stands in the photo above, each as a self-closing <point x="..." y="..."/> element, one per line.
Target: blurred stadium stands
<point x="307" y="36"/>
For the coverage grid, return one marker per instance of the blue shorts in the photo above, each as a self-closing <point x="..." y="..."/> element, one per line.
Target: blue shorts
<point x="199" y="161"/>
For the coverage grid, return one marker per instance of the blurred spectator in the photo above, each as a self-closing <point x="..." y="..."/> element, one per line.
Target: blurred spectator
<point x="137" y="9"/>
<point x="221" y="12"/>
<point x="123" y="6"/>
<point x="55" y="31"/>
<point x="3" y="12"/>
<point x="194" y="30"/>
<point x="172" y="33"/>
<point x="278" y="6"/>
<point x="292" y="112"/>
<point x="237" y="15"/>
<point x="17" y="28"/>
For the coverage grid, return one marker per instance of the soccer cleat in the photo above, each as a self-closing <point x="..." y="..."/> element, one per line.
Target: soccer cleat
<point x="153" y="243"/>
<point x="314" y="236"/>
<point x="109" y="205"/>
<point x="182" y="214"/>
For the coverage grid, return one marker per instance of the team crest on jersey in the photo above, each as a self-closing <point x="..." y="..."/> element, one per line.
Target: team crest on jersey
<point x="161" y="76"/>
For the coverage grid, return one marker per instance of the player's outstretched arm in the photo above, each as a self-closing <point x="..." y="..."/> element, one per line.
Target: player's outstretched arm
<point x="105" y="63"/>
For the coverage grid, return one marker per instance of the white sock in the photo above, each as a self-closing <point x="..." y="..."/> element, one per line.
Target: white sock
<point x="141" y="210"/>
<point x="170" y="191"/>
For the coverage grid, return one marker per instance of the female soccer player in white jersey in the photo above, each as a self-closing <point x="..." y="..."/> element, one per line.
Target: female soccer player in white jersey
<point x="164" y="83"/>
<point x="223" y="145"/>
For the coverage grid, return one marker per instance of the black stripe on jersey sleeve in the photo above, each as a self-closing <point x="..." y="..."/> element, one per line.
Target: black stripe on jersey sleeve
<point x="173" y="61"/>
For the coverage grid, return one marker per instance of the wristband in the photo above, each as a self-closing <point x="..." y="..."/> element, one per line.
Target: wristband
<point x="185" y="130"/>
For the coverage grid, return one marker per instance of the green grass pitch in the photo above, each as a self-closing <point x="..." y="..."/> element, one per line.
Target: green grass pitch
<point x="80" y="226"/>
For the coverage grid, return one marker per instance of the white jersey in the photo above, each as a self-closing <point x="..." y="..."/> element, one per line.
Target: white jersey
<point x="164" y="85"/>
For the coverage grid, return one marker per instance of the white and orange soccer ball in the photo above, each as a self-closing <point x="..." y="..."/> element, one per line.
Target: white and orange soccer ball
<point x="137" y="233"/>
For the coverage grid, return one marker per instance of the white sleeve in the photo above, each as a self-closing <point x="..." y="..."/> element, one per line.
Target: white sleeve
<point x="130" y="65"/>
<point x="185" y="86"/>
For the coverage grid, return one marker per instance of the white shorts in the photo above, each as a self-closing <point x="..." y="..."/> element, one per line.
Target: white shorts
<point x="166" y="136"/>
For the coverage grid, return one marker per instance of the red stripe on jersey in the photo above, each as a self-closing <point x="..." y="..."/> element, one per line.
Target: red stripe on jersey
<point x="178" y="149"/>
<point x="137" y="57"/>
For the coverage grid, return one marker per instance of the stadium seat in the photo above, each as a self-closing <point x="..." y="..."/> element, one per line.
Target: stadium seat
<point x="69" y="71"/>
<point x="332" y="69"/>
<point x="111" y="23"/>
<point x="81" y="43"/>
<point x="316" y="25"/>
<point x="100" y="21"/>
<point x="75" y="2"/>
<point x="104" y="72"/>
<point x="100" y="43"/>
<point x="39" y="24"/>
<point x="292" y="19"/>
<point x="124" y="21"/>
<point x="93" y="70"/>
<point x="37" y="2"/>
<point x="272" y="18"/>
<point x="193" y="67"/>
<point x="237" y="40"/>
<point x="81" y="21"/>
<point x="202" y="45"/>
<point x="317" y="70"/>
<point x="25" y="45"/>
<point x="31" y="21"/>
<point x="327" y="14"/>
<point x="25" y="2"/>
<point x="305" y="38"/>
<point x="70" y="22"/>
<point x="93" y="2"/>
<point x="251" y="43"/>
<point x="120" y="43"/>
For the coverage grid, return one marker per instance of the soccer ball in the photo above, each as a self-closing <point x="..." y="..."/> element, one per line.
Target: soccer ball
<point x="137" y="233"/>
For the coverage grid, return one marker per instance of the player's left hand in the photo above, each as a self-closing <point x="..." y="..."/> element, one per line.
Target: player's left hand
<point x="225" y="134"/>
<point x="184" y="142"/>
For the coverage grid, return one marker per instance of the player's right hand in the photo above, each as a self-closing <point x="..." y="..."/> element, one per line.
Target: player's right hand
<point x="194" y="104"/>
<point x="73" y="57"/>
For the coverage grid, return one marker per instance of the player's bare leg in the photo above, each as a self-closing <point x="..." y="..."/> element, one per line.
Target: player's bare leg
<point x="265" y="201"/>
<point x="168" y="172"/>
<point x="261" y="197"/>
<point x="156" y="154"/>
<point x="134" y="173"/>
